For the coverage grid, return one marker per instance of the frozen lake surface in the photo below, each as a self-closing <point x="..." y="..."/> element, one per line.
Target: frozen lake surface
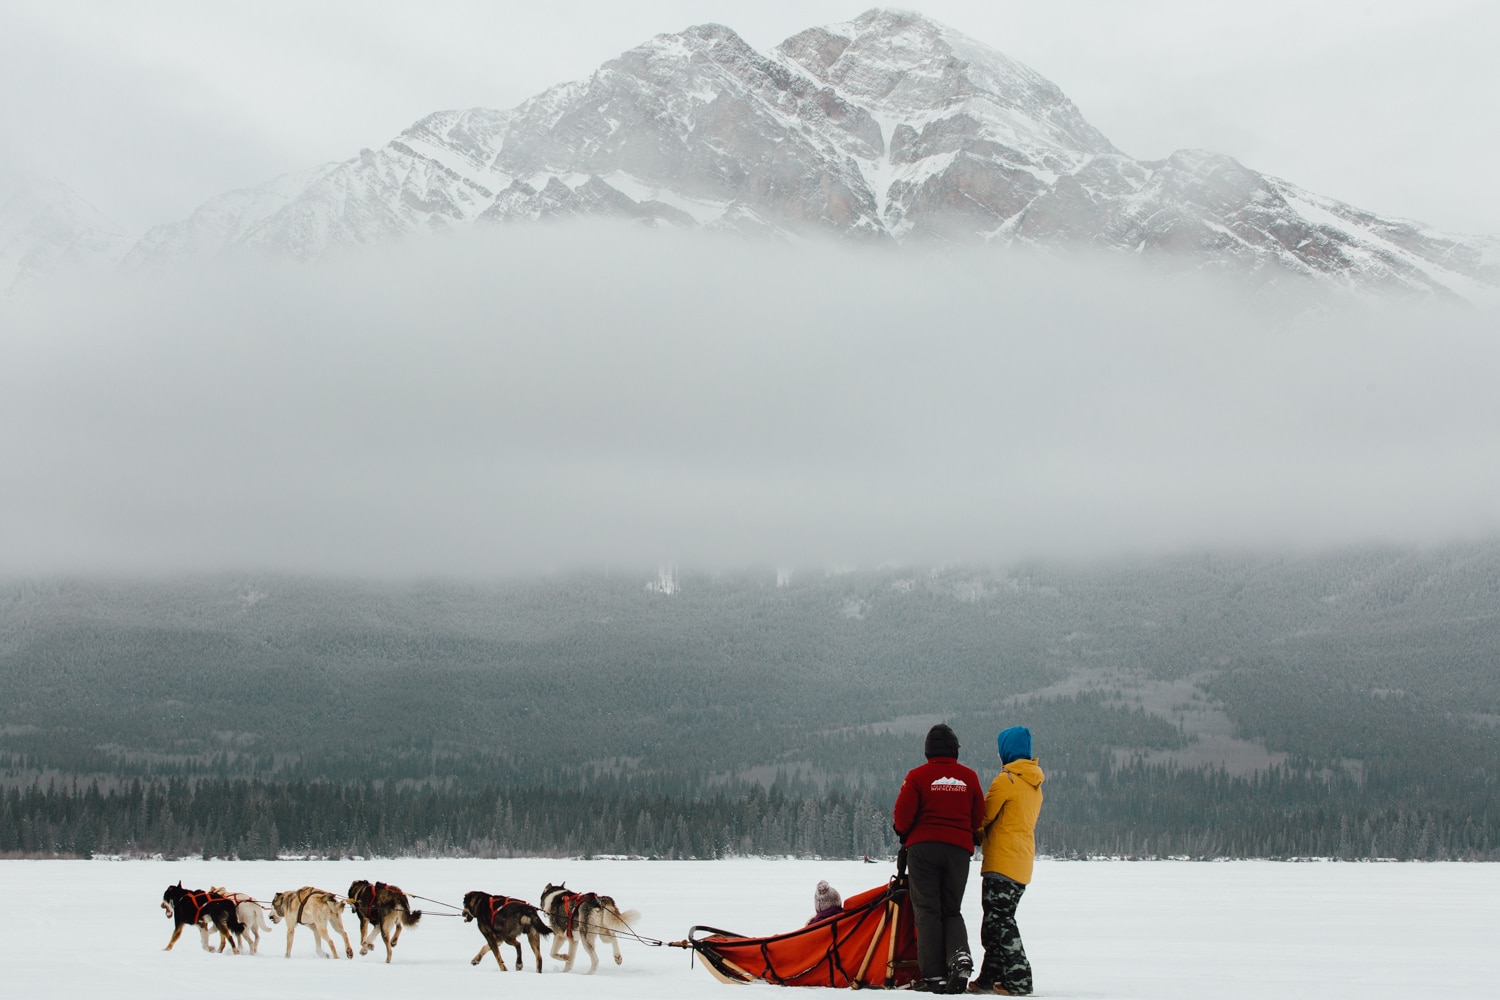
<point x="1093" y="929"/>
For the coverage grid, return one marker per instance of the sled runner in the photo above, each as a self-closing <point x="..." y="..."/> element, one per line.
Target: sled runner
<point x="871" y="942"/>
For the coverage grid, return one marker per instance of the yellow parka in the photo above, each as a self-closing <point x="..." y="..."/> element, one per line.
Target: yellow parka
<point x="1010" y="810"/>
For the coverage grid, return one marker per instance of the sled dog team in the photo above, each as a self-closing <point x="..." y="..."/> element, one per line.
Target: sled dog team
<point x="383" y="910"/>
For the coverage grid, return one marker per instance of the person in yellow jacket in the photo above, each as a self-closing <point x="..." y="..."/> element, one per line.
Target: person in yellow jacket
<point x="1010" y="810"/>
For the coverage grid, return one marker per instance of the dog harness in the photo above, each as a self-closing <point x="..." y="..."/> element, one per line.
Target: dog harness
<point x="200" y="898"/>
<point x="494" y="904"/>
<point x="369" y="905"/>
<point x="573" y="902"/>
<point x="303" y="907"/>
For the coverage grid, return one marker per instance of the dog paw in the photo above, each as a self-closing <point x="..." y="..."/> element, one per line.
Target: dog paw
<point x="619" y="959"/>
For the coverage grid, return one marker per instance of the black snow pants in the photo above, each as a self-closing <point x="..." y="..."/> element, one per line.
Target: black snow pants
<point x="936" y="876"/>
<point x="1005" y="959"/>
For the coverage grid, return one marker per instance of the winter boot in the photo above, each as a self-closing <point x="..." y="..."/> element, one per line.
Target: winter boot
<point x="959" y="968"/>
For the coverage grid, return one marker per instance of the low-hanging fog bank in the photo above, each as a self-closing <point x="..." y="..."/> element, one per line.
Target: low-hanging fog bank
<point x="569" y="397"/>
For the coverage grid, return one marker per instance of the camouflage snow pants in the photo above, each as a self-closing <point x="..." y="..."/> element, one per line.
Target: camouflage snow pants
<point x="1005" y="960"/>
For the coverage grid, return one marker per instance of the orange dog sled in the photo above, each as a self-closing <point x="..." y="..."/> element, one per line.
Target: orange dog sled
<point x="871" y="942"/>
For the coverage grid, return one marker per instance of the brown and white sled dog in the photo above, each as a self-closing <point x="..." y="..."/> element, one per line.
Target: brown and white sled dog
<point x="317" y="909"/>
<point x="197" y="908"/>
<point x="503" y="920"/>
<point x="251" y="914"/>
<point x="380" y="907"/>
<point x="581" y="917"/>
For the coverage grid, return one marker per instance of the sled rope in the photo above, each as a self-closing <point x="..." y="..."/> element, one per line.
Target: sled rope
<point x="439" y="902"/>
<point x="408" y="895"/>
<point x="633" y="934"/>
<point x="574" y="901"/>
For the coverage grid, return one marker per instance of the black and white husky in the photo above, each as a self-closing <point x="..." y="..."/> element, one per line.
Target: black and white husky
<point x="201" y="909"/>
<point x="582" y="917"/>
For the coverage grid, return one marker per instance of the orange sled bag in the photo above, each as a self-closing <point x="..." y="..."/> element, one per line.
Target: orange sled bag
<point x="871" y="942"/>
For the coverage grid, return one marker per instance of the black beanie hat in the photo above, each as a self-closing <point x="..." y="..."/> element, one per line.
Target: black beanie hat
<point x="941" y="742"/>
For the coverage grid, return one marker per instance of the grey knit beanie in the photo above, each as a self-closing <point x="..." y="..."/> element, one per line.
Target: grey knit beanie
<point x="826" y="897"/>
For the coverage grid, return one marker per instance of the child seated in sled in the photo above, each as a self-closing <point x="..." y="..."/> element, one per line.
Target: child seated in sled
<point x="826" y="902"/>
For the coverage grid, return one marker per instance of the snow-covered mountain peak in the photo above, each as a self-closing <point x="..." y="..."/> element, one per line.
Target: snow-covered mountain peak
<point x="698" y="38"/>
<point x="889" y="127"/>
<point x="697" y="63"/>
<point x="913" y="69"/>
<point x="703" y="123"/>
<point x="696" y="51"/>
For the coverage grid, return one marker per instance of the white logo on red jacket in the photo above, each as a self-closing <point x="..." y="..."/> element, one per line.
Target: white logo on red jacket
<point x="949" y="785"/>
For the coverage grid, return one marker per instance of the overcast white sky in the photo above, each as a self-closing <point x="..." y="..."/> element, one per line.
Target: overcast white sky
<point x="149" y="107"/>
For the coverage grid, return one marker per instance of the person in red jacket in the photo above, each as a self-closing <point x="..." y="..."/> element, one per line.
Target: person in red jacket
<point x="939" y="813"/>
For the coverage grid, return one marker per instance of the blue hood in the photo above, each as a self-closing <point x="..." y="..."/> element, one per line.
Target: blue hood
<point x="1014" y="744"/>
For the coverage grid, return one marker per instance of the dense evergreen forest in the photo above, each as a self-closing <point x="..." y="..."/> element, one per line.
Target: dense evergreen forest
<point x="1359" y="693"/>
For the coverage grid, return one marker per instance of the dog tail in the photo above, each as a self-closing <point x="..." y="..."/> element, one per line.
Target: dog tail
<point x="410" y="917"/>
<point x="614" y="919"/>
<point x="534" y="918"/>
<point x="235" y="925"/>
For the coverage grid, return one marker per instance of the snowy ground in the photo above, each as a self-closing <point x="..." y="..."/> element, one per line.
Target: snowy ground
<point x="1093" y="929"/>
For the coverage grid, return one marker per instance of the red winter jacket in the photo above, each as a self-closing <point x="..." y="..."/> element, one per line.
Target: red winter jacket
<point x="941" y="801"/>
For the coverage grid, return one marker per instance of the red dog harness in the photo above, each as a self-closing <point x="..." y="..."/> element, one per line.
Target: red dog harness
<point x="573" y="902"/>
<point x="369" y="906"/>
<point x="200" y="898"/>
<point x="496" y="903"/>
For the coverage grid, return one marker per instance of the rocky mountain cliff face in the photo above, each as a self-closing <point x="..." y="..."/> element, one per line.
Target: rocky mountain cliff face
<point x="888" y="128"/>
<point x="45" y="229"/>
